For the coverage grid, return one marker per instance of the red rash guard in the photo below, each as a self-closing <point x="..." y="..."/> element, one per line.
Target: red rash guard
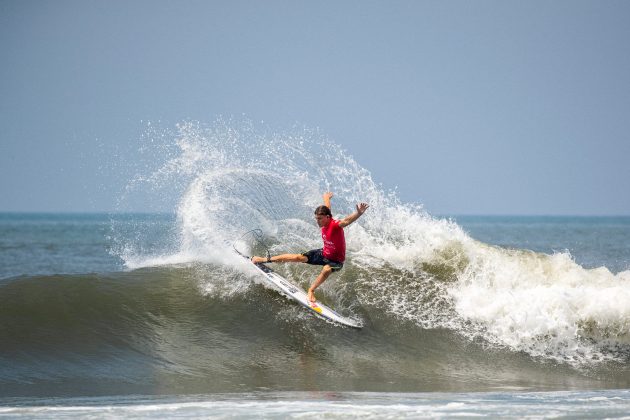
<point x="334" y="242"/>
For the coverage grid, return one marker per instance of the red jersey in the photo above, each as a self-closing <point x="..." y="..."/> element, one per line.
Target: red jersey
<point x="334" y="242"/>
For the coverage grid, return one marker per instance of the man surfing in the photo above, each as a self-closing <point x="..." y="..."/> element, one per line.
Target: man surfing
<point x="333" y="254"/>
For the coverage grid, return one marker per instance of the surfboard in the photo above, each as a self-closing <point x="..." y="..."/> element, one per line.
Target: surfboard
<point x="299" y="295"/>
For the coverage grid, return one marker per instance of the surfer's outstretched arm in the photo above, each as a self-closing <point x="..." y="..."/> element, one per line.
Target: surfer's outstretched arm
<point x="361" y="208"/>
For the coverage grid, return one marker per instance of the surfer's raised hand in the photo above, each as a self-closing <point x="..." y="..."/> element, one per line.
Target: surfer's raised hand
<point x="327" y="196"/>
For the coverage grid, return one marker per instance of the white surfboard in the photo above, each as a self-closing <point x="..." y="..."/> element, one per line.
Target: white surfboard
<point x="299" y="295"/>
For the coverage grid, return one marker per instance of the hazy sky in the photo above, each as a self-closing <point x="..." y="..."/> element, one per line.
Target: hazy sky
<point x="469" y="107"/>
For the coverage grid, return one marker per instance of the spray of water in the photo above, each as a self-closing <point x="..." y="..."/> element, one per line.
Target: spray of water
<point x="230" y="176"/>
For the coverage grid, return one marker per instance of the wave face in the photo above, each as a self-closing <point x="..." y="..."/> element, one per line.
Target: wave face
<point x="442" y="311"/>
<point x="191" y="330"/>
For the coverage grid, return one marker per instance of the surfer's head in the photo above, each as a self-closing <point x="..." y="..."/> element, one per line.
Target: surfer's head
<point x="323" y="215"/>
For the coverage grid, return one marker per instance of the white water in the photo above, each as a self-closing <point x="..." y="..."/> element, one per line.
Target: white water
<point x="599" y="404"/>
<point x="231" y="177"/>
<point x="546" y="305"/>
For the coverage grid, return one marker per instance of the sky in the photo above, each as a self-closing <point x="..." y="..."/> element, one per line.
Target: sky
<point x="466" y="107"/>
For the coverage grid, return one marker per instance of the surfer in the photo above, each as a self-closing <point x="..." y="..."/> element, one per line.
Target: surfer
<point x="333" y="254"/>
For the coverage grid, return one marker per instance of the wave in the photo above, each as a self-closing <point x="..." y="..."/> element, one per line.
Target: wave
<point x="188" y="305"/>
<point x="199" y="328"/>
<point x="234" y="176"/>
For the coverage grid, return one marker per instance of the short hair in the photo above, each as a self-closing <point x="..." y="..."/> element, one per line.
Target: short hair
<point x="323" y="210"/>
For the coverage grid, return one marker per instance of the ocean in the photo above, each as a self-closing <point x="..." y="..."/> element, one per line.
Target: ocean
<point x="142" y="315"/>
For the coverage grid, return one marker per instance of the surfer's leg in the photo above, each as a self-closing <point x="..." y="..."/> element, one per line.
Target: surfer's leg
<point x="281" y="258"/>
<point x="318" y="281"/>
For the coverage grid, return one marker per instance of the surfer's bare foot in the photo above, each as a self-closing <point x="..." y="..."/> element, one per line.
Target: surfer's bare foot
<point x="258" y="260"/>
<point x="311" y="296"/>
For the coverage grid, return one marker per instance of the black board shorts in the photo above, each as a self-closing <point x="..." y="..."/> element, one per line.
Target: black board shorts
<point x="316" y="257"/>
